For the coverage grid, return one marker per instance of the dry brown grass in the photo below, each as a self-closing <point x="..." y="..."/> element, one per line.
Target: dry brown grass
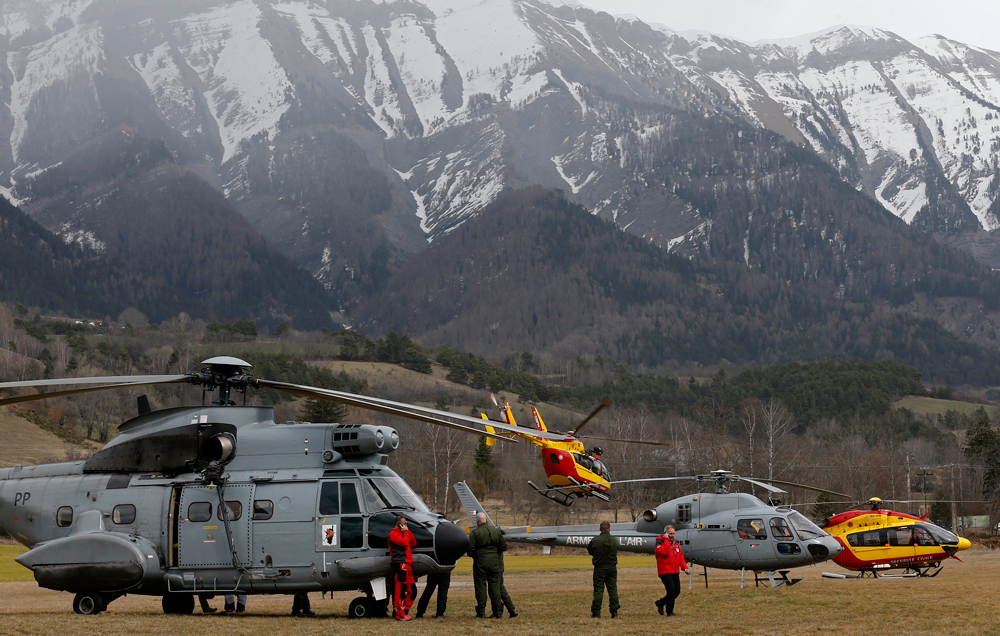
<point x="959" y="601"/>
<point x="21" y="442"/>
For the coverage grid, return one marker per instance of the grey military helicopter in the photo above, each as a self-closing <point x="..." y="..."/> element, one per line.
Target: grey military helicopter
<point x="725" y="530"/>
<point x="220" y="499"/>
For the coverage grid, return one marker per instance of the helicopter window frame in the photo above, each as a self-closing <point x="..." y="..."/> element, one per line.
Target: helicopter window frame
<point x="263" y="509"/>
<point x="942" y="535"/>
<point x="61" y="516"/>
<point x="780" y="529"/>
<point x="684" y="513"/>
<point x="901" y="536"/>
<point x="123" y="514"/>
<point x="199" y="511"/>
<point x="553" y="458"/>
<point x="753" y="527"/>
<point x="329" y="498"/>
<point x="350" y="503"/>
<point x="923" y="537"/>
<point x="352" y="532"/>
<point x="234" y="510"/>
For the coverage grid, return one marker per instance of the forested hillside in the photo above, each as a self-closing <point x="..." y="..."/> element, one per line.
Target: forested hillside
<point x="537" y="273"/>
<point x="183" y="246"/>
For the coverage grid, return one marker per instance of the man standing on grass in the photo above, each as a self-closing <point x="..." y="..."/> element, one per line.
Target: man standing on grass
<point x="604" y="550"/>
<point x="401" y="544"/>
<point x="486" y="543"/>
<point x="669" y="563"/>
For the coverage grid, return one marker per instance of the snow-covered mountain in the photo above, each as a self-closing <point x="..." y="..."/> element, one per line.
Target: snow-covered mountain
<point x="422" y="112"/>
<point x="916" y="125"/>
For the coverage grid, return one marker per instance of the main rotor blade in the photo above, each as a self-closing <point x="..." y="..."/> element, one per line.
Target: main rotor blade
<point x="173" y="379"/>
<point x="766" y="487"/>
<point x="150" y="379"/>
<point x="626" y="441"/>
<point x="411" y="411"/>
<point x="793" y="484"/>
<point x="600" y="407"/>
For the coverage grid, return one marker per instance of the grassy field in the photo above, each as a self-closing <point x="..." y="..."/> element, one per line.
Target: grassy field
<point x="934" y="406"/>
<point x="21" y="442"/>
<point x="9" y="570"/>
<point x="552" y="594"/>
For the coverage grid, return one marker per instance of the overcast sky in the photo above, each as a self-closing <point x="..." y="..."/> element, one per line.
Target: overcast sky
<point x="968" y="21"/>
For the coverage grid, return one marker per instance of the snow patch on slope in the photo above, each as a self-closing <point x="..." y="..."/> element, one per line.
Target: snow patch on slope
<point x="246" y="89"/>
<point x="175" y="100"/>
<point x="76" y="52"/>
<point x="420" y="67"/>
<point x="19" y="17"/>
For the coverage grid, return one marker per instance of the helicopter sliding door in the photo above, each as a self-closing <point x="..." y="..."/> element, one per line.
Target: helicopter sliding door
<point x="201" y="530"/>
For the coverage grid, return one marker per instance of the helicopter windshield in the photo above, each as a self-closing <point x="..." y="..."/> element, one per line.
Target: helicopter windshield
<point x="389" y="493"/>
<point x="944" y="537"/>
<point x="806" y="529"/>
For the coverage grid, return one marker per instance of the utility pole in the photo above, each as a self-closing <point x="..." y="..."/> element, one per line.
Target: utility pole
<point x="954" y="514"/>
<point x="909" y="491"/>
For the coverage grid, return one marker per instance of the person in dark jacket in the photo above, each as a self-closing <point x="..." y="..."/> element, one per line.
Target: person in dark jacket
<point x="486" y="543"/>
<point x="441" y="582"/>
<point x="604" y="550"/>
<point x="669" y="563"/>
<point x="301" y="605"/>
<point x="401" y="544"/>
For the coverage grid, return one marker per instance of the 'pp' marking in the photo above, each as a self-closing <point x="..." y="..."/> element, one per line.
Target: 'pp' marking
<point x="21" y="498"/>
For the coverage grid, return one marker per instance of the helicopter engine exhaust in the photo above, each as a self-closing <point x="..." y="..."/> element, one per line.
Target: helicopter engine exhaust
<point x="649" y="515"/>
<point x="220" y="448"/>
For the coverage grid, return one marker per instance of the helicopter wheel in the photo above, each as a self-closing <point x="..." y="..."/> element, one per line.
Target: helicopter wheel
<point x="89" y="603"/>
<point x="178" y="604"/>
<point x="361" y="607"/>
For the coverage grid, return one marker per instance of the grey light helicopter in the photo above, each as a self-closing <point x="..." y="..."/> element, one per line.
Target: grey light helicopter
<point x="731" y="531"/>
<point x="221" y="499"/>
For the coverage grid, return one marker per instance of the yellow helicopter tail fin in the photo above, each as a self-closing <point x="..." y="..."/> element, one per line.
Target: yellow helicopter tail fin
<point x="539" y="424"/>
<point x="490" y="441"/>
<point x="509" y="414"/>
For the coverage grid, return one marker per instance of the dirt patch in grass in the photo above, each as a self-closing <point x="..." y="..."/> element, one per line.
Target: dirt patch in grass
<point x="556" y="601"/>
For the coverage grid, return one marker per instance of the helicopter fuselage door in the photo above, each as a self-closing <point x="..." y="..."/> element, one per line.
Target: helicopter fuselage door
<point x="201" y="530"/>
<point x="752" y="541"/>
<point x="340" y="524"/>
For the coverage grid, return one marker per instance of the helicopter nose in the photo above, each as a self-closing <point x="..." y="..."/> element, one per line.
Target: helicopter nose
<point x="963" y="544"/>
<point x="450" y="543"/>
<point x="825" y="548"/>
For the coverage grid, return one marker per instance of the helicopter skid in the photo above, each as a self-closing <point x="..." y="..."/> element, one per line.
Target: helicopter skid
<point x="560" y="497"/>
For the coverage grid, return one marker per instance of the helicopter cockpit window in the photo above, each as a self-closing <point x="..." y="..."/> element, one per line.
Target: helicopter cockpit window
<point x="64" y="517"/>
<point x="329" y="498"/>
<point x="751" y="529"/>
<point x="200" y="511"/>
<point x="806" y="529"/>
<point x="780" y="530"/>
<point x="263" y="509"/>
<point x="684" y="513"/>
<point x="398" y="489"/>
<point x="584" y="461"/>
<point x="374" y="499"/>
<point x="234" y="508"/>
<point x="123" y="514"/>
<point x="601" y="469"/>
<point x="349" y="504"/>
<point x="943" y="536"/>
<point x="922" y="536"/>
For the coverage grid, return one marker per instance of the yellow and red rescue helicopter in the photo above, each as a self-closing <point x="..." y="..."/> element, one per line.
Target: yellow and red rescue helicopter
<point x="877" y="541"/>
<point x="573" y="470"/>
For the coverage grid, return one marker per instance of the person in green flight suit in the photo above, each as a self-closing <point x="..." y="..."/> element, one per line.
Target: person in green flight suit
<point x="485" y="545"/>
<point x="604" y="550"/>
<point x="504" y="596"/>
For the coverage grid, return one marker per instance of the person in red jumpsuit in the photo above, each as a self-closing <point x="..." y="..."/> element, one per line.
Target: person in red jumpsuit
<point x="401" y="544"/>
<point x="669" y="563"/>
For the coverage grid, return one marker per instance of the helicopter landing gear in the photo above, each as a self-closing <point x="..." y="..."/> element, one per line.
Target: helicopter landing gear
<point x="560" y="496"/>
<point x="362" y="607"/>
<point x="178" y="604"/>
<point x="89" y="603"/>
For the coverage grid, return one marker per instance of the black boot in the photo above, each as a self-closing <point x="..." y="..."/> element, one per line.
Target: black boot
<point x="659" y="606"/>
